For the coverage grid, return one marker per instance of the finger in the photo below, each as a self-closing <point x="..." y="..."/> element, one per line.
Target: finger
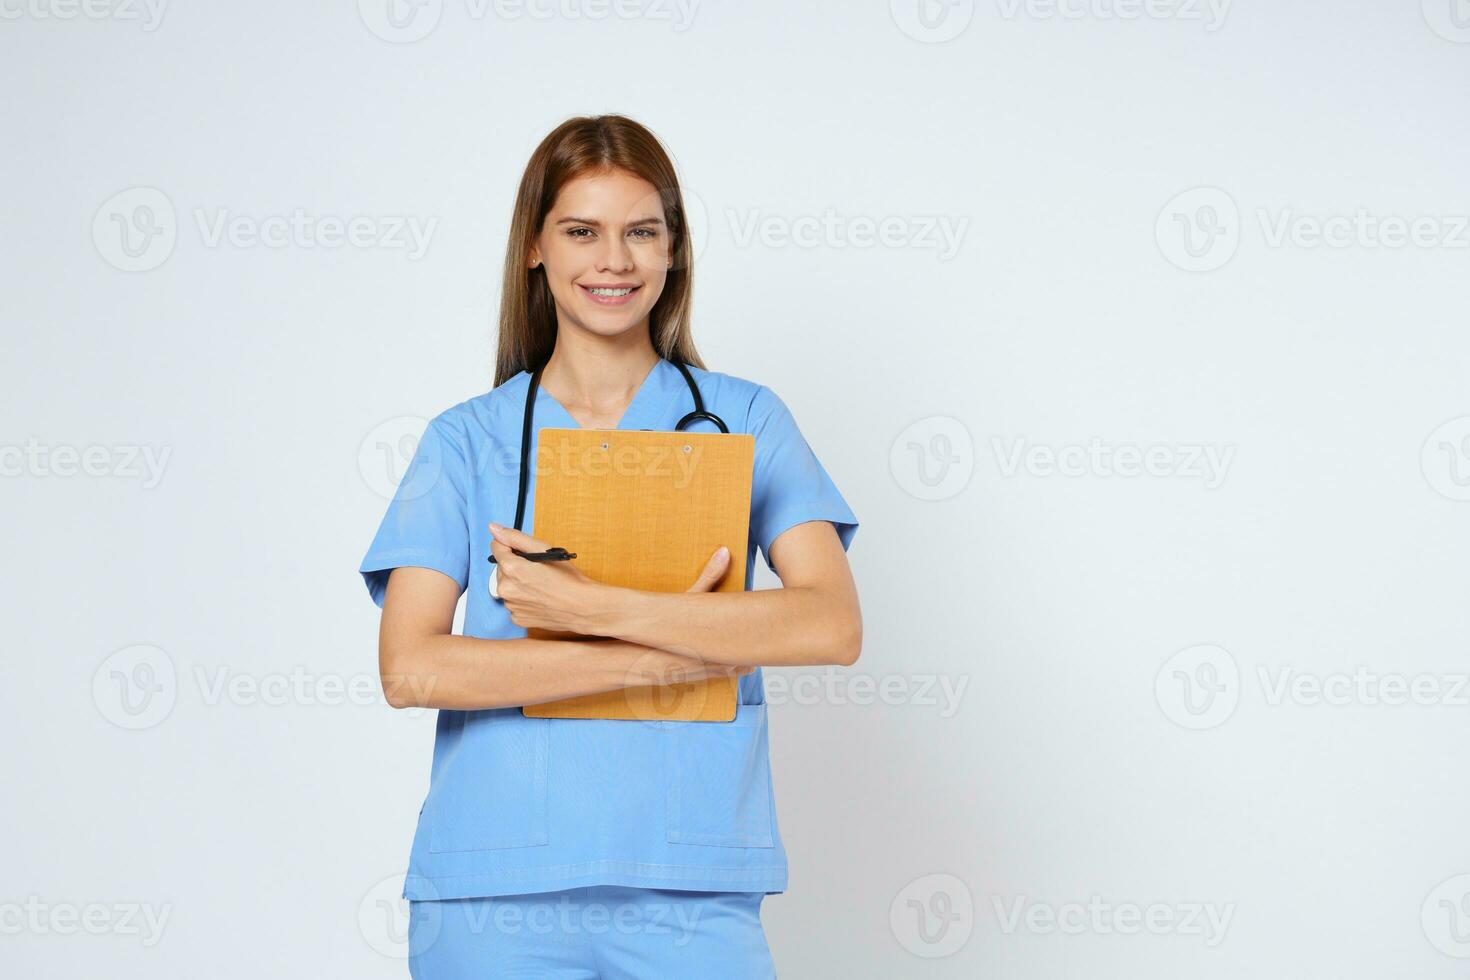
<point x="503" y="553"/>
<point x="714" y="570"/>
<point x="517" y="539"/>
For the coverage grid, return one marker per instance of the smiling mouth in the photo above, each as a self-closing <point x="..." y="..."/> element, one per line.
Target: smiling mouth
<point x="609" y="295"/>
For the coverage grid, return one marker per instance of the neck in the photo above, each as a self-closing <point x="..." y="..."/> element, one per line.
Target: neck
<point x="599" y="373"/>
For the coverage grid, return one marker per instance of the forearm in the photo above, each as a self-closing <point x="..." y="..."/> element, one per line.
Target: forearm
<point x="792" y="626"/>
<point x="469" y="673"/>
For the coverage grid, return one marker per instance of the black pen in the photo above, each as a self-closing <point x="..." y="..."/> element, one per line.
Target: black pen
<point x="555" y="554"/>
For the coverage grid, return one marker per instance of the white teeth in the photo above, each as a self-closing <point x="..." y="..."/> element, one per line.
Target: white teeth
<point x="611" y="292"/>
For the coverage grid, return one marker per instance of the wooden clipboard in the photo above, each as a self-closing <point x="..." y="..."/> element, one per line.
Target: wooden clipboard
<point x="645" y="510"/>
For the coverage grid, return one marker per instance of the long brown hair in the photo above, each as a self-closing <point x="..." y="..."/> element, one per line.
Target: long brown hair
<point x="579" y="146"/>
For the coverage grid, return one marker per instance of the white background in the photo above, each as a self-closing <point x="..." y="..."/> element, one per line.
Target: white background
<point x="1076" y="766"/>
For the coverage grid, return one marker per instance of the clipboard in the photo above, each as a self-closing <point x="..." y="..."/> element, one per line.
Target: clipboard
<point x="645" y="510"/>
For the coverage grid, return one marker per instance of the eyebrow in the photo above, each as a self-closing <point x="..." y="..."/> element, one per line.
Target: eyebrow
<point x="598" y="224"/>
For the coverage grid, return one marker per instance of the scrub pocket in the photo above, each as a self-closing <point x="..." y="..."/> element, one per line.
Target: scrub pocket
<point x="493" y="790"/>
<point x="718" y="778"/>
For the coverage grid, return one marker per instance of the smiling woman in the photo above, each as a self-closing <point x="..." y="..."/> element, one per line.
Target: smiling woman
<point x="599" y="224"/>
<point x="595" y="307"/>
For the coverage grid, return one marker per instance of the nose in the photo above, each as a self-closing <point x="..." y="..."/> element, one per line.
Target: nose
<point x="615" y="256"/>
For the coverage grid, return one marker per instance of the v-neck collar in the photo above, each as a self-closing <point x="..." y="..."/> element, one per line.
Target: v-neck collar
<point x="644" y="410"/>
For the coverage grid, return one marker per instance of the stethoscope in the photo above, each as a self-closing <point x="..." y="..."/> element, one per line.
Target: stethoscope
<point x="527" y="418"/>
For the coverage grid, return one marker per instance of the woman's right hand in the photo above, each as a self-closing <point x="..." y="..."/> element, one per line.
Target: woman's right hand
<point x="652" y="667"/>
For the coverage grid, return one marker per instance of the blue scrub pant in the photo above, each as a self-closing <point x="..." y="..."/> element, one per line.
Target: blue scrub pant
<point x="596" y="933"/>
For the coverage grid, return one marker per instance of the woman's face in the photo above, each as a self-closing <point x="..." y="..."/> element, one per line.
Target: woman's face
<point x="606" y="252"/>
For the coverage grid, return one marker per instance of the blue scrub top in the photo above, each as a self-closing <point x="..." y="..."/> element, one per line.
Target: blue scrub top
<point x="519" y="805"/>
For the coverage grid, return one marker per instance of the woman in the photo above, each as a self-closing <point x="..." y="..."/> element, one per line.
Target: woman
<point x="597" y="848"/>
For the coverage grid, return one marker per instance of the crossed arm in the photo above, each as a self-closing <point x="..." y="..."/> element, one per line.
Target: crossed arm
<point x="645" y="637"/>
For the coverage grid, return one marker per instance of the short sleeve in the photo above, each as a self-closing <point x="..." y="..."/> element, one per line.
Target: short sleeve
<point x="789" y="485"/>
<point x="427" y="524"/>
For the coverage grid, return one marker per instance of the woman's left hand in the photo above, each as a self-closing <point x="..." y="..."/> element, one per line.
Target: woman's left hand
<point x="550" y="595"/>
